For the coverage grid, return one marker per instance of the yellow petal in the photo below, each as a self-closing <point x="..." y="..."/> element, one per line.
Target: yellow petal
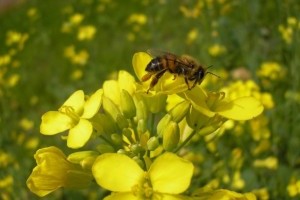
<point x="197" y="97"/>
<point x="225" y="194"/>
<point x="80" y="134"/>
<point x="126" y="81"/>
<point x="139" y="62"/>
<point x="117" y="172"/>
<point x="122" y="196"/>
<point x="92" y="105"/>
<point x="111" y="90"/>
<point x="170" y="174"/>
<point x="243" y="108"/>
<point x="76" y="101"/>
<point x="54" y="122"/>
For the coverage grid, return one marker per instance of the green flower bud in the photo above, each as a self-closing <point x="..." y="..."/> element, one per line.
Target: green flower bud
<point x="127" y="105"/>
<point x="105" y="148"/>
<point x="110" y="107"/>
<point x="152" y="143"/>
<point x="156" y="103"/>
<point x="196" y="120"/>
<point x="171" y="136"/>
<point x="141" y="126"/>
<point x="127" y="132"/>
<point x="179" y="111"/>
<point x="136" y="148"/>
<point x="77" y="157"/>
<point x="139" y="161"/>
<point x="162" y="124"/>
<point x="88" y="162"/>
<point x="141" y="109"/>
<point x="116" y="138"/>
<point x="104" y="124"/>
<point x="122" y="121"/>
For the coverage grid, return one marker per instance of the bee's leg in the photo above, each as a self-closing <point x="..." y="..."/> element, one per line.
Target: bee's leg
<point x="187" y="82"/>
<point x="175" y="76"/>
<point x="155" y="79"/>
<point x="194" y="84"/>
<point x="147" y="76"/>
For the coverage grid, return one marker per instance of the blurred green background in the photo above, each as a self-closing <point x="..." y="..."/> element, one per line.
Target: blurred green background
<point x="50" y="48"/>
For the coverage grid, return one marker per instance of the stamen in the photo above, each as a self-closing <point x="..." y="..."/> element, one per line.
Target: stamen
<point x="68" y="110"/>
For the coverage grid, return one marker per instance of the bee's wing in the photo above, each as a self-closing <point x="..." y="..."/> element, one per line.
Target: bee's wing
<point x="157" y="53"/>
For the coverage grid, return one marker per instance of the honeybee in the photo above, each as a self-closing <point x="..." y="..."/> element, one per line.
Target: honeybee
<point x="185" y="66"/>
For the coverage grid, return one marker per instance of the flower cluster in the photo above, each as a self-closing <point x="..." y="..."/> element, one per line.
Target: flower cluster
<point x="137" y="139"/>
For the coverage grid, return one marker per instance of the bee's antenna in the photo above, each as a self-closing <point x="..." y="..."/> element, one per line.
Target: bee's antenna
<point x="211" y="72"/>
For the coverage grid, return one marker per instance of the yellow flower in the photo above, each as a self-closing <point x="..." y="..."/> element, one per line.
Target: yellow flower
<point x="54" y="171"/>
<point x="86" y="32"/>
<point x="269" y="163"/>
<point x="137" y="18"/>
<point x="168" y="175"/>
<point x="217" y="50"/>
<point x="76" y="19"/>
<point x="74" y="115"/>
<point x="210" y="104"/>
<point x="271" y="70"/>
<point x="165" y="85"/>
<point x="293" y="187"/>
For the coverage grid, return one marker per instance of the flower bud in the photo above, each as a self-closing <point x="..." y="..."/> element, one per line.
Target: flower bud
<point x="139" y="161"/>
<point x="122" y="121"/>
<point x="127" y="132"/>
<point x="104" y="124"/>
<point x="88" y="162"/>
<point x="179" y="111"/>
<point x="171" y="136"/>
<point x="141" y="109"/>
<point x="136" y="148"/>
<point x="163" y="123"/>
<point x="156" y="103"/>
<point x="141" y="126"/>
<point x="105" y="148"/>
<point x="110" y="107"/>
<point x="77" y="157"/>
<point x="127" y="105"/>
<point x="152" y="143"/>
<point x="196" y="120"/>
<point x="116" y="138"/>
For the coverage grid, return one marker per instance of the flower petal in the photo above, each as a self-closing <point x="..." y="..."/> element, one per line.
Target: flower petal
<point x="243" y="108"/>
<point x="170" y="174"/>
<point x="92" y="105"/>
<point x="198" y="97"/>
<point x="126" y="81"/>
<point x="80" y="134"/>
<point x="139" y="62"/>
<point x="111" y="90"/>
<point x="117" y="172"/>
<point x="76" y="101"/>
<point x="54" y="122"/>
<point x="122" y="196"/>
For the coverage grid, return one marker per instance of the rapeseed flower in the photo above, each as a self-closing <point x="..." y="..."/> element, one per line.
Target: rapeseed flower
<point x="53" y="171"/>
<point x="74" y="116"/>
<point x="127" y="180"/>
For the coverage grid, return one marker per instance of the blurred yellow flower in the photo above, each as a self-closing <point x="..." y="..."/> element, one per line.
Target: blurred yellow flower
<point x="122" y="175"/>
<point x="217" y="50"/>
<point x="26" y="124"/>
<point x="293" y="188"/>
<point x="269" y="163"/>
<point x="76" y="74"/>
<point x="262" y="194"/>
<point x="73" y="115"/>
<point x="53" y="171"/>
<point x="5" y="59"/>
<point x="76" y="19"/>
<point x="137" y="18"/>
<point x="237" y="181"/>
<point x="6" y="182"/>
<point x="13" y="80"/>
<point x="79" y="58"/>
<point x="14" y="37"/>
<point x="192" y="36"/>
<point x="272" y="71"/>
<point x="86" y="32"/>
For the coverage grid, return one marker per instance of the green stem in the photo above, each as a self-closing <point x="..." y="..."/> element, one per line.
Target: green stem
<point x="185" y="141"/>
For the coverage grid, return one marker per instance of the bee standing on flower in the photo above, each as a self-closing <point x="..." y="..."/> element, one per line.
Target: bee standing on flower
<point x="184" y="65"/>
